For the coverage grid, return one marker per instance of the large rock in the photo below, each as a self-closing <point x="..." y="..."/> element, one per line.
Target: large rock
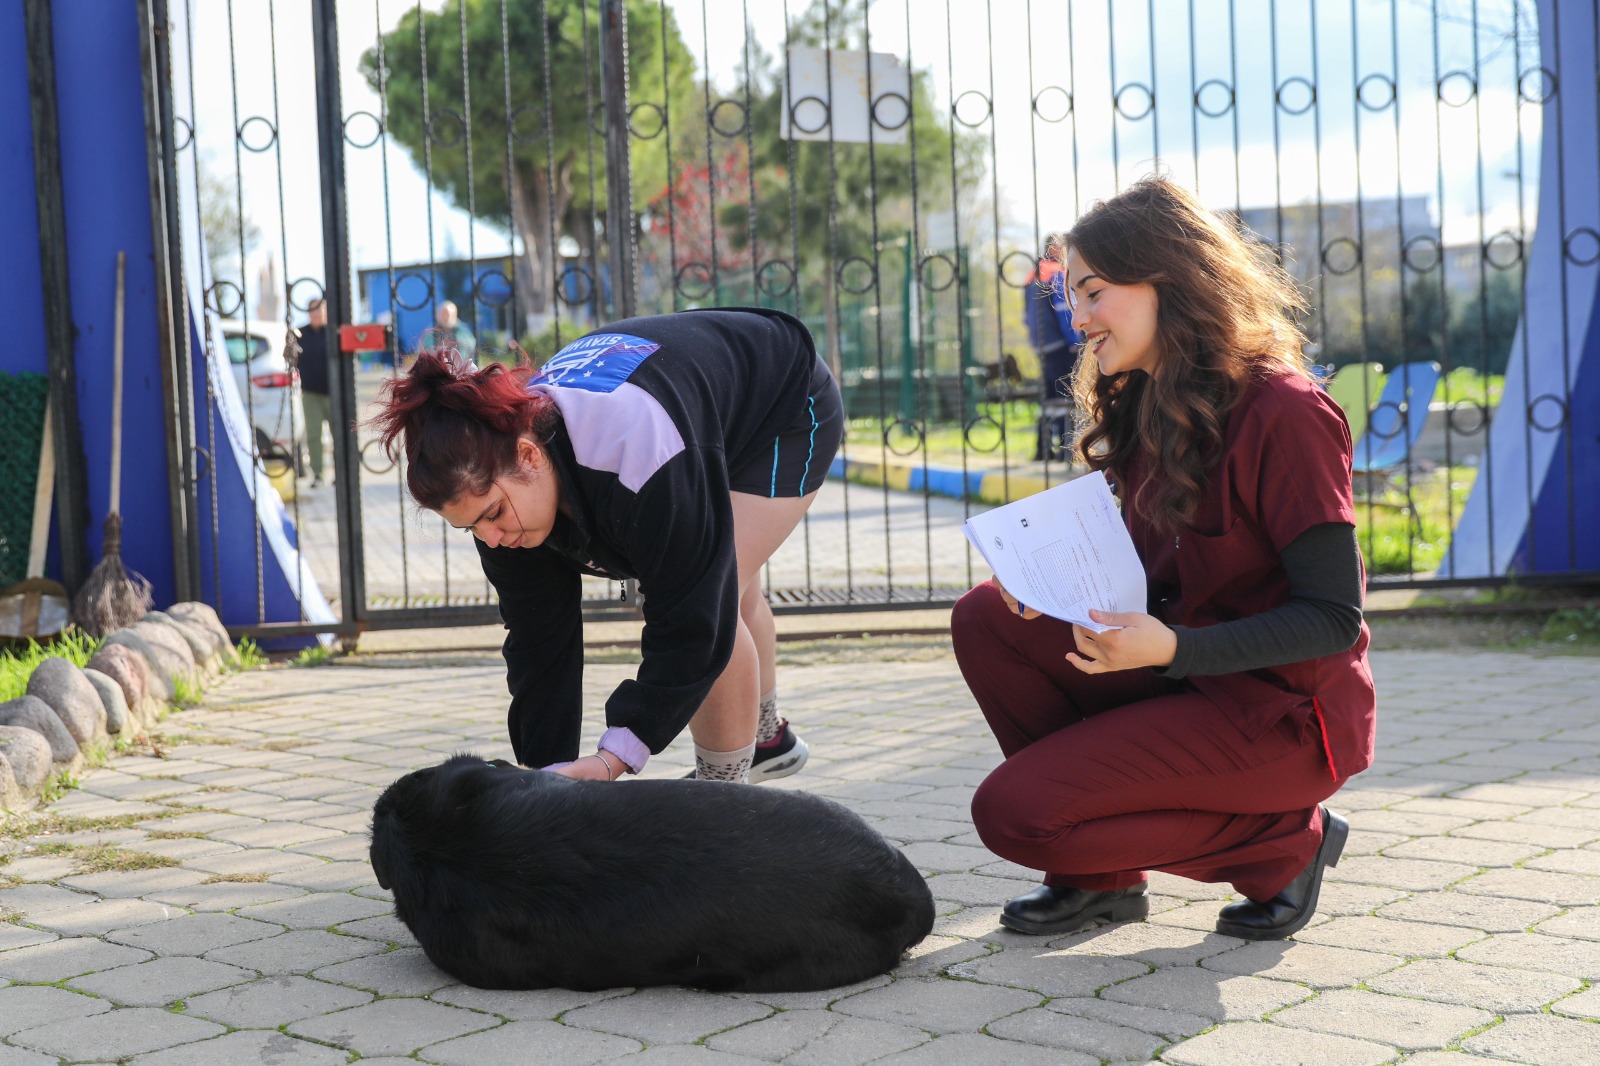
<point x="30" y="712"/>
<point x="201" y="644"/>
<point x="29" y="755"/>
<point x="202" y="615"/>
<point x="112" y="698"/>
<point x="10" y="794"/>
<point x="61" y="684"/>
<point x="127" y="668"/>
<point x="162" y="666"/>
<point x="168" y="642"/>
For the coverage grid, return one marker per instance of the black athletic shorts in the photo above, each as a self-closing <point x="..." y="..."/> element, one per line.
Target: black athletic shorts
<point x="798" y="463"/>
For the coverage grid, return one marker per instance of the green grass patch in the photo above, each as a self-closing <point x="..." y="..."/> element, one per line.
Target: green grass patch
<point x="185" y="693"/>
<point x="22" y="826"/>
<point x="1577" y="626"/>
<point x="57" y="786"/>
<point x="16" y="664"/>
<point x="1015" y="423"/>
<point x="251" y="657"/>
<point x="317" y="655"/>
<point x="1405" y="528"/>
<point x="234" y="879"/>
<point x="105" y="858"/>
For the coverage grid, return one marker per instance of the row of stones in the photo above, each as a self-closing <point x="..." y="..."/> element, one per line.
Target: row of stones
<point x="129" y="681"/>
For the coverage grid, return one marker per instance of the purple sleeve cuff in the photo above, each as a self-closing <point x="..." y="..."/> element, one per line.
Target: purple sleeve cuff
<point x="620" y="741"/>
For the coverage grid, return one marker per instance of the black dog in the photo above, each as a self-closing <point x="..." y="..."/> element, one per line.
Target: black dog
<point x="513" y="878"/>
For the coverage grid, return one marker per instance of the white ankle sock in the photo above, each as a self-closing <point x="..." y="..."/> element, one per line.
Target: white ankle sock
<point x="767" y="726"/>
<point x="724" y="765"/>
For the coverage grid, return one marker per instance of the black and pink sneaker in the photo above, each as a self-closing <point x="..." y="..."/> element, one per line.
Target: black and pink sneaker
<point x="781" y="756"/>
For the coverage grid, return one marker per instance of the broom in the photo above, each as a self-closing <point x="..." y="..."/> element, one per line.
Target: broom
<point x="112" y="597"/>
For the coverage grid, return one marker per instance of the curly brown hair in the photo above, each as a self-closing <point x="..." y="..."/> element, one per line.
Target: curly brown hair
<point x="1226" y="311"/>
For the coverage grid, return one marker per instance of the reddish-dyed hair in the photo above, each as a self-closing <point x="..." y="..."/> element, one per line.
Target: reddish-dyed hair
<point x="458" y="425"/>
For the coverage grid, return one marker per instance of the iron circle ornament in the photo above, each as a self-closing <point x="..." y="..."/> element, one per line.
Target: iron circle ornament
<point x="528" y="137"/>
<point x="202" y="466"/>
<point x="927" y="272"/>
<point x="1045" y="106"/>
<point x="903" y="429"/>
<point x="402" y="278"/>
<point x="1544" y="78"/>
<point x="847" y="268"/>
<point x="1396" y="428"/>
<point x="214" y="297"/>
<point x="1332" y="265"/>
<point x="377" y="129"/>
<point x="1229" y="99"/>
<point x="1570" y="244"/>
<point x="1544" y="402"/>
<point x="694" y="280"/>
<point x="1283" y="94"/>
<point x="1384" y="82"/>
<point x="818" y="103"/>
<point x="597" y="119"/>
<point x="779" y="268"/>
<point x="1134" y="86"/>
<point x="447" y="119"/>
<point x="582" y="293"/>
<point x="898" y="99"/>
<point x="498" y="296"/>
<point x="244" y="137"/>
<point x="1540" y="403"/>
<point x="387" y="461"/>
<point x="273" y="462"/>
<point x="652" y="108"/>
<point x="714" y="118"/>
<point x="181" y="124"/>
<point x="1422" y="253"/>
<point x="1503" y="251"/>
<point x="1480" y="417"/>
<point x="318" y="294"/>
<point x="1456" y="77"/>
<point x="1006" y="271"/>
<point x="972" y="424"/>
<point x="971" y="94"/>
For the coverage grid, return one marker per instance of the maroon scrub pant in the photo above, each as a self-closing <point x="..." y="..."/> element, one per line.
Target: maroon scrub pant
<point x="1110" y="775"/>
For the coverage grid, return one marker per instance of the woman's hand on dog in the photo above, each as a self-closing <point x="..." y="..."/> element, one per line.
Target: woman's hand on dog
<point x="588" y="768"/>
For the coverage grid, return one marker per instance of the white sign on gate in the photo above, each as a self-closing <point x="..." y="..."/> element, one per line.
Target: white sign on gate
<point x="828" y="90"/>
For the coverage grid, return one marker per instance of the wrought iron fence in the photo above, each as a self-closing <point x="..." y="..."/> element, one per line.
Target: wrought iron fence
<point x="889" y="173"/>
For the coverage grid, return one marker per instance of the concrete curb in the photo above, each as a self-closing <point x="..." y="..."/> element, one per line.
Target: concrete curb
<point x="979" y="486"/>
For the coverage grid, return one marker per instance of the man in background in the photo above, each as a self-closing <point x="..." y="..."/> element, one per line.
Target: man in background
<point x="447" y="319"/>
<point x="1056" y="343"/>
<point x="314" y="385"/>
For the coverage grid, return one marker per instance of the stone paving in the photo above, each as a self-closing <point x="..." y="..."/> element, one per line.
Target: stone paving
<point x="1461" y="927"/>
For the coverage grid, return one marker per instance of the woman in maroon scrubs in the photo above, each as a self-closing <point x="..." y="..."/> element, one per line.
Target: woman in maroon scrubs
<point x="1203" y="737"/>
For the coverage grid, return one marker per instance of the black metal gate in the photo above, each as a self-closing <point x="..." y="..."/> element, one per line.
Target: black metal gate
<point x="887" y="172"/>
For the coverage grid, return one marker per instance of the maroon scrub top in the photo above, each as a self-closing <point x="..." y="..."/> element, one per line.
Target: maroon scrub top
<point x="1285" y="468"/>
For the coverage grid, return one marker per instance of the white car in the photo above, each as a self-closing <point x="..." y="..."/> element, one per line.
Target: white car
<point x="269" y="390"/>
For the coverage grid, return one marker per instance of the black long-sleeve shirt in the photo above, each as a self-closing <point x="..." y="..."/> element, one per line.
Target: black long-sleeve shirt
<point x="1323" y="614"/>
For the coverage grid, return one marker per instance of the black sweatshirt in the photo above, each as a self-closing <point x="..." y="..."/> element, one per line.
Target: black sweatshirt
<point x="655" y="412"/>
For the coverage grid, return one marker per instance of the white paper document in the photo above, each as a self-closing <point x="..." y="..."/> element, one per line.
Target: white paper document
<point x="1063" y="551"/>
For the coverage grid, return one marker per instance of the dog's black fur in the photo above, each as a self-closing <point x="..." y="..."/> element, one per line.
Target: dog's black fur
<point x="513" y="878"/>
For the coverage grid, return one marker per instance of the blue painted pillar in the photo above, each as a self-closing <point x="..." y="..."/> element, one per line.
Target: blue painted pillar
<point x="1535" y="506"/>
<point x="105" y="176"/>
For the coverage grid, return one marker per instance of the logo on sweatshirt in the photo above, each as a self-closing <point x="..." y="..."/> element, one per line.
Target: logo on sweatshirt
<point x="596" y="363"/>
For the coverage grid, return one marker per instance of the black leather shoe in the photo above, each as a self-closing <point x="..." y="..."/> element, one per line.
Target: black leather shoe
<point x="1288" y="912"/>
<point x="1048" y="910"/>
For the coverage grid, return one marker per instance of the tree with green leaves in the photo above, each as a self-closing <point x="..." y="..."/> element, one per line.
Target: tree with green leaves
<point x="825" y="200"/>
<point x="551" y="183"/>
